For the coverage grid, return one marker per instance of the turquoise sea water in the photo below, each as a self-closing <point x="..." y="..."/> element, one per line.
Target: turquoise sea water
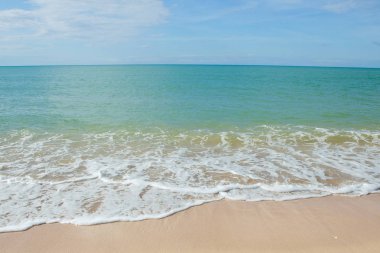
<point x="92" y="144"/>
<point x="186" y="96"/>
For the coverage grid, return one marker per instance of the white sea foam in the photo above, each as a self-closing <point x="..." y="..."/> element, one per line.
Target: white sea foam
<point x="133" y="175"/>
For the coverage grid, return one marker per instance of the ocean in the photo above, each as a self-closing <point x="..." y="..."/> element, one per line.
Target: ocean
<point x="96" y="144"/>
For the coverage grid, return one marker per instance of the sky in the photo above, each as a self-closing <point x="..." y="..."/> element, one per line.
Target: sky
<point x="271" y="32"/>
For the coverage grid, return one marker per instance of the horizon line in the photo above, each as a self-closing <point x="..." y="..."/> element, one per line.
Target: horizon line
<point x="183" y="64"/>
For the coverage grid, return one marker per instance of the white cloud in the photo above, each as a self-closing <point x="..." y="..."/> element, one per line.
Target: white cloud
<point x="82" y="19"/>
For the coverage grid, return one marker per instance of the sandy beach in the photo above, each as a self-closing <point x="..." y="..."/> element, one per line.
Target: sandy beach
<point x="329" y="224"/>
<point x="161" y="126"/>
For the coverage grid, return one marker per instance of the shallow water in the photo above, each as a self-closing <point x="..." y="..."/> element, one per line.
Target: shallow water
<point x="95" y="144"/>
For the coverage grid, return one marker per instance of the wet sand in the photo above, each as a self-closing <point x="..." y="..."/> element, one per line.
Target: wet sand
<point x="330" y="224"/>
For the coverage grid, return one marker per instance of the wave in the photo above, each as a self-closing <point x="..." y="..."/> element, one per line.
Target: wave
<point x="90" y="178"/>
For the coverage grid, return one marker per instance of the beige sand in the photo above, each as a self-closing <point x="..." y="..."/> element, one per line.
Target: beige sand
<point x="331" y="224"/>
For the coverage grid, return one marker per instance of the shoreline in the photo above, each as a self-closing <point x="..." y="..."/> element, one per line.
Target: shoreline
<point x="326" y="224"/>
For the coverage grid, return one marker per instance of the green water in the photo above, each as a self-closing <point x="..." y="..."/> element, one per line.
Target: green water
<point x="96" y="144"/>
<point x="61" y="98"/>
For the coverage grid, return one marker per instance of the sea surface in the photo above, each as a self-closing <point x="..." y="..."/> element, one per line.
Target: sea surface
<point x="95" y="144"/>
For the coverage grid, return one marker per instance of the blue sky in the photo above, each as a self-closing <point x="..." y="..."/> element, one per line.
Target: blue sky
<point x="278" y="32"/>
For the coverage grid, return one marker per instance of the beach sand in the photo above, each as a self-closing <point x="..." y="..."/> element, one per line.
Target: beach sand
<point x="329" y="224"/>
